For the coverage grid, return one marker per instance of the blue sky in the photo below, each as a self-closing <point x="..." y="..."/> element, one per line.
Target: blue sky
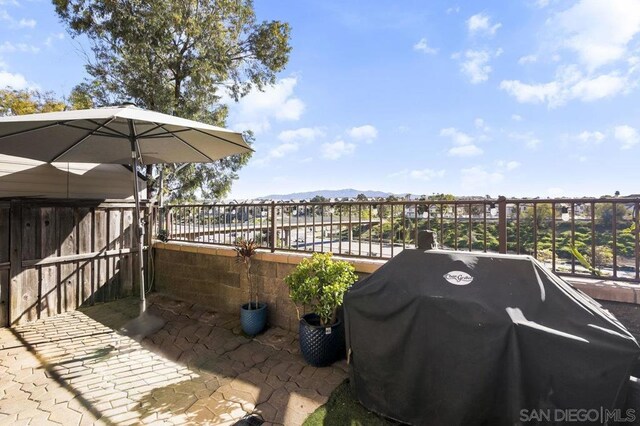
<point x="515" y="98"/>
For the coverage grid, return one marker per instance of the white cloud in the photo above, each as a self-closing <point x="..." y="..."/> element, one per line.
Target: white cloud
<point x="599" y="87"/>
<point x="528" y="139"/>
<point x="481" y="24"/>
<point x="481" y="125"/>
<point x="337" y="149"/>
<point x="512" y="165"/>
<point x="366" y="133"/>
<point x="426" y="174"/>
<point x="542" y="3"/>
<point x="457" y="137"/>
<point x="600" y="39"/>
<point x="283" y="149"/>
<point x="292" y="141"/>
<point x="465" y="151"/>
<point x="49" y="41"/>
<point x="476" y="65"/>
<point x="570" y="83"/>
<point x="508" y="165"/>
<point x="453" y="10"/>
<point x="305" y="134"/>
<point x="478" y="178"/>
<point x="598" y="31"/>
<point x="423" y="46"/>
<point x="516" y="117"/>
<point x="463" y="143"/>
<point x="26" y="23"/>
<point x="15" y="81"/>
<point x="256" y="110"/>
<point x="423" y="174"/>
<point x="8" y="47"/>
<point x="530" y="93"/>
<point x="627" y="135"/>
<point x="528" y="59"/>
<point x="276" y="152"/>
<point x="589" y="138"/>
<point x="12" y="23"/>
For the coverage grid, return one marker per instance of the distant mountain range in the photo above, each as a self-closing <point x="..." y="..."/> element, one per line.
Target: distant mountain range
<point x="327" y="193"/>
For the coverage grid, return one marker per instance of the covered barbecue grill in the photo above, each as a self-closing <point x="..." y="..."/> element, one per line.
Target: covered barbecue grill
<point x="449" y="338"/>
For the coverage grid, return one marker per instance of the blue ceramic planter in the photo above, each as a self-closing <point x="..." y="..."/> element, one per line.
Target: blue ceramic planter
<point x="253" y="320"/>
<point x="321" y="346"/>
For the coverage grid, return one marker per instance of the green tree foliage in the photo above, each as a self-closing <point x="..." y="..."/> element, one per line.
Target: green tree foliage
<point x="20" y="102"/>
<point x="543" y="215"/>
<point x="80" y="97"/>
<point x="319" y="199"/>
<point x="179" y="57"/>
<point x="604" y="213"/>
<point x="442" y="197"/>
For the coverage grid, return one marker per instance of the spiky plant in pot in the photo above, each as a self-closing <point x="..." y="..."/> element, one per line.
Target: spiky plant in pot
<point x="253" y="315"/>
<point x="245" y="250"/>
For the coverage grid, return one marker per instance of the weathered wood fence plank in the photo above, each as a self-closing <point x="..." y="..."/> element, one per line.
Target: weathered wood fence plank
<point x="56" y="256"/>
<point x="49" y="284"/>
<point x="5" y="265"/>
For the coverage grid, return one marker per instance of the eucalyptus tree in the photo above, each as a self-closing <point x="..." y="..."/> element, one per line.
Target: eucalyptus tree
<point x="179" y="57"/>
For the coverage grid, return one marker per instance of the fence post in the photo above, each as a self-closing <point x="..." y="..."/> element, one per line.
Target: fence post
<point x="502" y="224"/>
<point x="272" y="238"/>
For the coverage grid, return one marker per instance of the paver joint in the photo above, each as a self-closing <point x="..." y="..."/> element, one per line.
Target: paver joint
<point x="75" y="369"/>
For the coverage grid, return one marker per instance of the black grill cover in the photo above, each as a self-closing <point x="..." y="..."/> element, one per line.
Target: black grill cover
<point x="449" y="338"/>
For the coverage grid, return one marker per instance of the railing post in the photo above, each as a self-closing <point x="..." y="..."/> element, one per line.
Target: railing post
<point x="272" y="239"/>
<point x="502" y="224"/>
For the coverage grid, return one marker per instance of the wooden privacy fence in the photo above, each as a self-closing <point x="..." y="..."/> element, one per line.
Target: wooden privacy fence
<point x="58" y="255"/>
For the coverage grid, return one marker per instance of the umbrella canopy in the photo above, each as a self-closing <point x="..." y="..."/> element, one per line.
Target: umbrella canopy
<point x="103" y="135"/>
<point x="120" y="135"/>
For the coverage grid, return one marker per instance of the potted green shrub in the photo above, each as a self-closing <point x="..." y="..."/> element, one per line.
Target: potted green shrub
<point x="253" y="315"/>
<point x="319" y="283"/>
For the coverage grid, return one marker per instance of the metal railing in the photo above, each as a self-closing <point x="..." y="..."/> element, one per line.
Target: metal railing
<point x="578" y="237"/>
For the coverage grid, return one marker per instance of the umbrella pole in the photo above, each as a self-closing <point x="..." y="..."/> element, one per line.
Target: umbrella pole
<point x="137" y="216"/>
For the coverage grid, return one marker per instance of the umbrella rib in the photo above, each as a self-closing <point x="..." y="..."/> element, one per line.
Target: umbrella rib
<point x="186" y="143"/>
<point x="117" y="132"/>
<point x="141" y="135"/>
<point x="225" y="140"/>
<point x="103" y="133"/>
<point x="162" y="135"/>
<point x="33" y="129"/>
<point x="79" y="141"/>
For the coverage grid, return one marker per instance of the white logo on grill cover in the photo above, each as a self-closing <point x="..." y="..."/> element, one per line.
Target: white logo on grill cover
<point x="458" y="278"/>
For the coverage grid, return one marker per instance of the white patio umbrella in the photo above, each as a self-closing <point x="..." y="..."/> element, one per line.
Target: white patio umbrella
<point x="121" y="135"/>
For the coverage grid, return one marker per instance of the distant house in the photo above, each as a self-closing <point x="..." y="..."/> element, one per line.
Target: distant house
<point x="21" y="177"/>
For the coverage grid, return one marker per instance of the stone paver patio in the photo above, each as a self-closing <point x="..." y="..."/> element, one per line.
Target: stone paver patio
<point x="74" y="369"/>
